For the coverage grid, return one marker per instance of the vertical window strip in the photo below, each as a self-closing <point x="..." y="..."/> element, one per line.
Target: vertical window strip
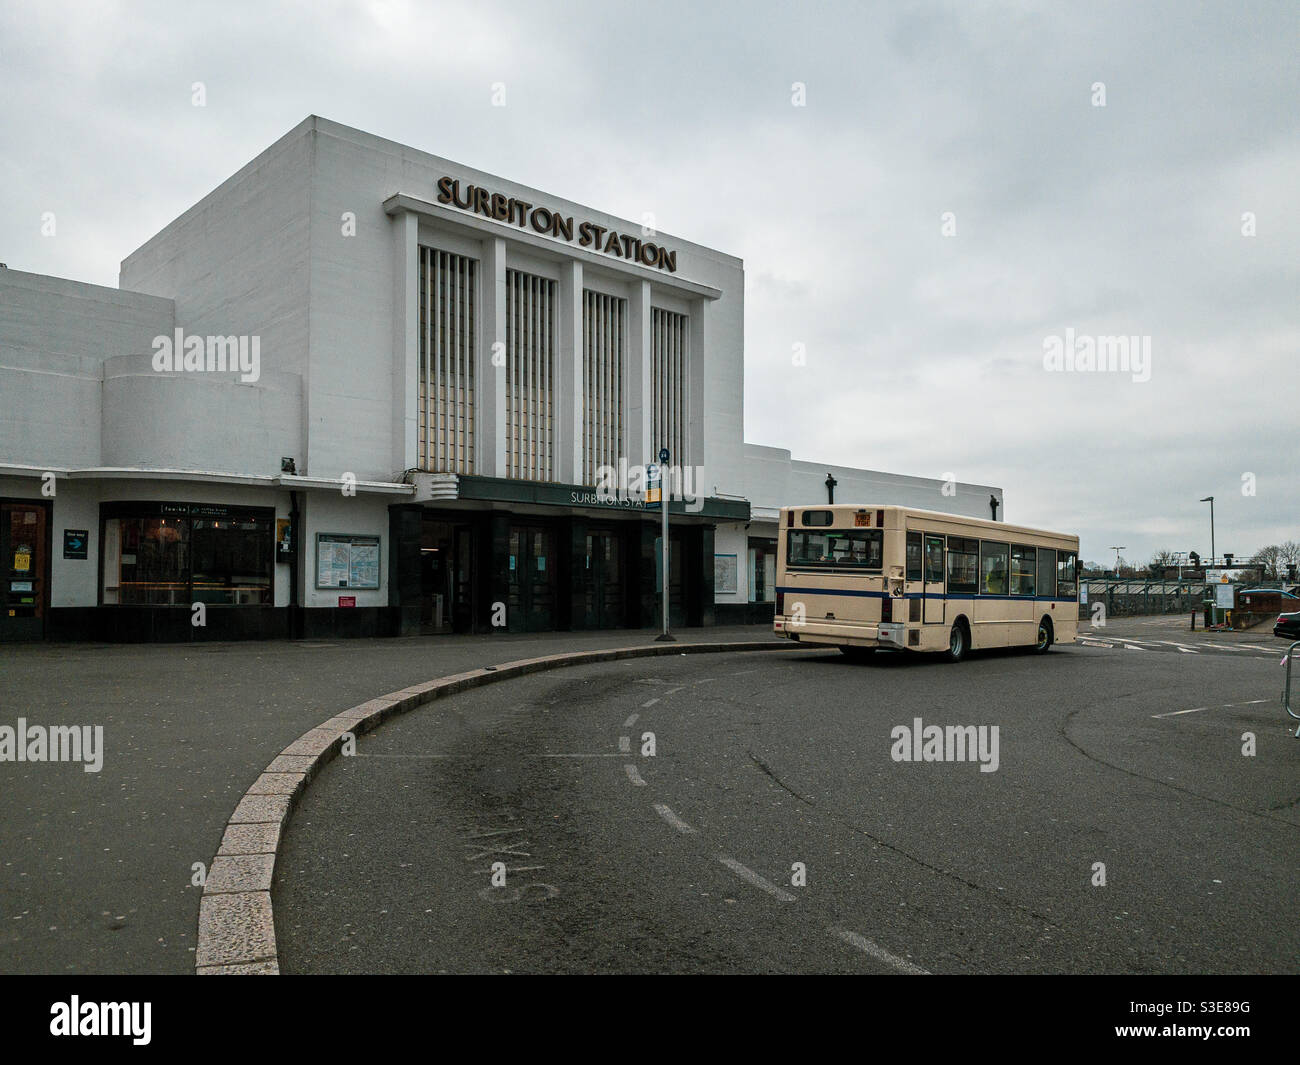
<point x="670" y="339"/>
<point x="446" y="375"/>
<point x="604" y="320"/>
<point x="530" y="381"/>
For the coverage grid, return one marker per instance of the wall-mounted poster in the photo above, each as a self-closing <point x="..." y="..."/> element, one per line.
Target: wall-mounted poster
<point x="724" y="573"/>
<point x="347" y="561"/>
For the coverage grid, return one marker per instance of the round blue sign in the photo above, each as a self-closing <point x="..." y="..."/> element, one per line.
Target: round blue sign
<point x="663" y="454"/>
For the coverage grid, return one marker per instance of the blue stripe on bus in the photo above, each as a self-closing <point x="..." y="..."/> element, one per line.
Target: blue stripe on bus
<point x="925" y="595"/>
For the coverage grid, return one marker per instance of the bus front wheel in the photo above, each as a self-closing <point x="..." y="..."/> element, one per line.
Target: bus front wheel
<point x="958" y="643"/>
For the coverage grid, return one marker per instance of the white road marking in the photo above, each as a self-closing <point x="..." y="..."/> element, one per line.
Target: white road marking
<point x="631" y="721"/>
<point x="649" y="704"/>
<point x="1225" y="706"/>
<point x="604" y="755"/>
<point x="752" y="877"/>
<point x="625" y="744"/>
<point x="677" y="823"/>
<point x="1133" y="647"/>
<point x="635" y="777"/>
<point x="878" y="952"/>
<point x="1175" y="713"/>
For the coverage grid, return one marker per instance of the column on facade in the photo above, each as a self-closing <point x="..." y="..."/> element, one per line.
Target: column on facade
<point x="489" y="366"/>
<point x="406" y="342"/>
<point x="695" y="391"/>
<point x="641" y="447"/>
<point x="569" y="376"/>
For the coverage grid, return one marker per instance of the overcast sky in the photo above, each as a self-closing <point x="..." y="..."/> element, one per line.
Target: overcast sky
<point x="924" y="351"/>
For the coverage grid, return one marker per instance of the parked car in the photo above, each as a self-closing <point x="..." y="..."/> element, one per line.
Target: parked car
<point x="1288" y="625"/>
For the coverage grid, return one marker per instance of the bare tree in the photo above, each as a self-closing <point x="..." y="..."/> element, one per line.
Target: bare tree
<point x="1269" y="557"/>
<point x="1289" y="553"/>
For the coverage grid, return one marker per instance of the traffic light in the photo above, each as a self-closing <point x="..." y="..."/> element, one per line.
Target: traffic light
<point x="1196" y="559"/>
<point x="1227" y="558"/>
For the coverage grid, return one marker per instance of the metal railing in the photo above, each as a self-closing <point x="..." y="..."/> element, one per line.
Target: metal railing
<point x="1134" y="596"/>
<point x="1286" y="690"/>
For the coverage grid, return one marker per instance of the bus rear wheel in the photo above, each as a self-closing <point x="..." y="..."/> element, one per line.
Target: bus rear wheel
<point x="958" y="643"/>
<point x="1045" y="636"/>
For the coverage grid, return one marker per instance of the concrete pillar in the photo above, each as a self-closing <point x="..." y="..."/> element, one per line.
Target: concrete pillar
<point x="490" y="378"/>
<point x="404" y="521"/>
<point x="569" y="384"/>
<point x="641" y="449"/>
<point x="697" y="357"/>
<point x="406" y="342"/>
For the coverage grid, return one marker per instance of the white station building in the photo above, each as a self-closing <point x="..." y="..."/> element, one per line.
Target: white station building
<point x="362" y="390"/>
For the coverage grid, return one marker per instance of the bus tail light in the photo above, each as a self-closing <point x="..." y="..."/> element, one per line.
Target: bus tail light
<point x="780" y="603"/>
<point x="887" y="609"/>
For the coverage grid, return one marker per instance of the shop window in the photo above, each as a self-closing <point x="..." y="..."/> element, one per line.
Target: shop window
<point x="177" y="554"/>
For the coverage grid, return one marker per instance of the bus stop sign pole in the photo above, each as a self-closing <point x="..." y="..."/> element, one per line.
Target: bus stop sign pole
<point x="665" y="636"/>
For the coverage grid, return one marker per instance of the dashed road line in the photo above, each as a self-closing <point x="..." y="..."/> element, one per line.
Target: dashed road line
<point x="748" y="875"/>
<point x="651" y="703"/>
<point x="878" y="952"/>
<point x="1199" y="709"/>
<point x="631" y="721"/>
<point x="663" y="811"/>
<point x="633" y="774"/>
<point x="1175" y="713"/>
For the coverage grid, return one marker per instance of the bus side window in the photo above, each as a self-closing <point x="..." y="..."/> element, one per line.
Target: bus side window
<point x="914" y="556"/>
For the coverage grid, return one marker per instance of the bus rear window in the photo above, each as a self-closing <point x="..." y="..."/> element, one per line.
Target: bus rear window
<point x="819" y="518"/>
<point x="841" y="549"/>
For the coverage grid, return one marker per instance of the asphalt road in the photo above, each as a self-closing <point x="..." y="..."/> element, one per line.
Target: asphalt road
<point x="96" y="868"/>
<point x="1125" y="750"/>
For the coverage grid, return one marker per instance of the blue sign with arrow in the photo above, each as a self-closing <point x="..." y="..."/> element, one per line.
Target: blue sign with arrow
<point x="76" y="543"/>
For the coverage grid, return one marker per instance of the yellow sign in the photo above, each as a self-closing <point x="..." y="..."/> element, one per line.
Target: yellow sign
<point x="22" y="560"/>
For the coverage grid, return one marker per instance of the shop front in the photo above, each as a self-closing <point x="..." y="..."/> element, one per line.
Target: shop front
<point x="169" y="570"/>
<point x="520" y="556"/>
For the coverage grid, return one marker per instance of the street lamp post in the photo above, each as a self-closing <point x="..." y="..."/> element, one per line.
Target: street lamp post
<point x="1117" y="550"/>
<point x="1210" y="500"/>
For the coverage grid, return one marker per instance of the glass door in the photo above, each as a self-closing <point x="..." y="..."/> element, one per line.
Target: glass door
<point x="934" y="593"/>
<point x="530" y="579"/>
<point x="24" y="591"/>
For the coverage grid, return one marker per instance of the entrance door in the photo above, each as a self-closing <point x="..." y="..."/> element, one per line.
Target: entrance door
<point x="604" y="580"/>
<point x="24" y="590"/>
<point x="530" y="606"/>
<point x="934" y="594"/>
